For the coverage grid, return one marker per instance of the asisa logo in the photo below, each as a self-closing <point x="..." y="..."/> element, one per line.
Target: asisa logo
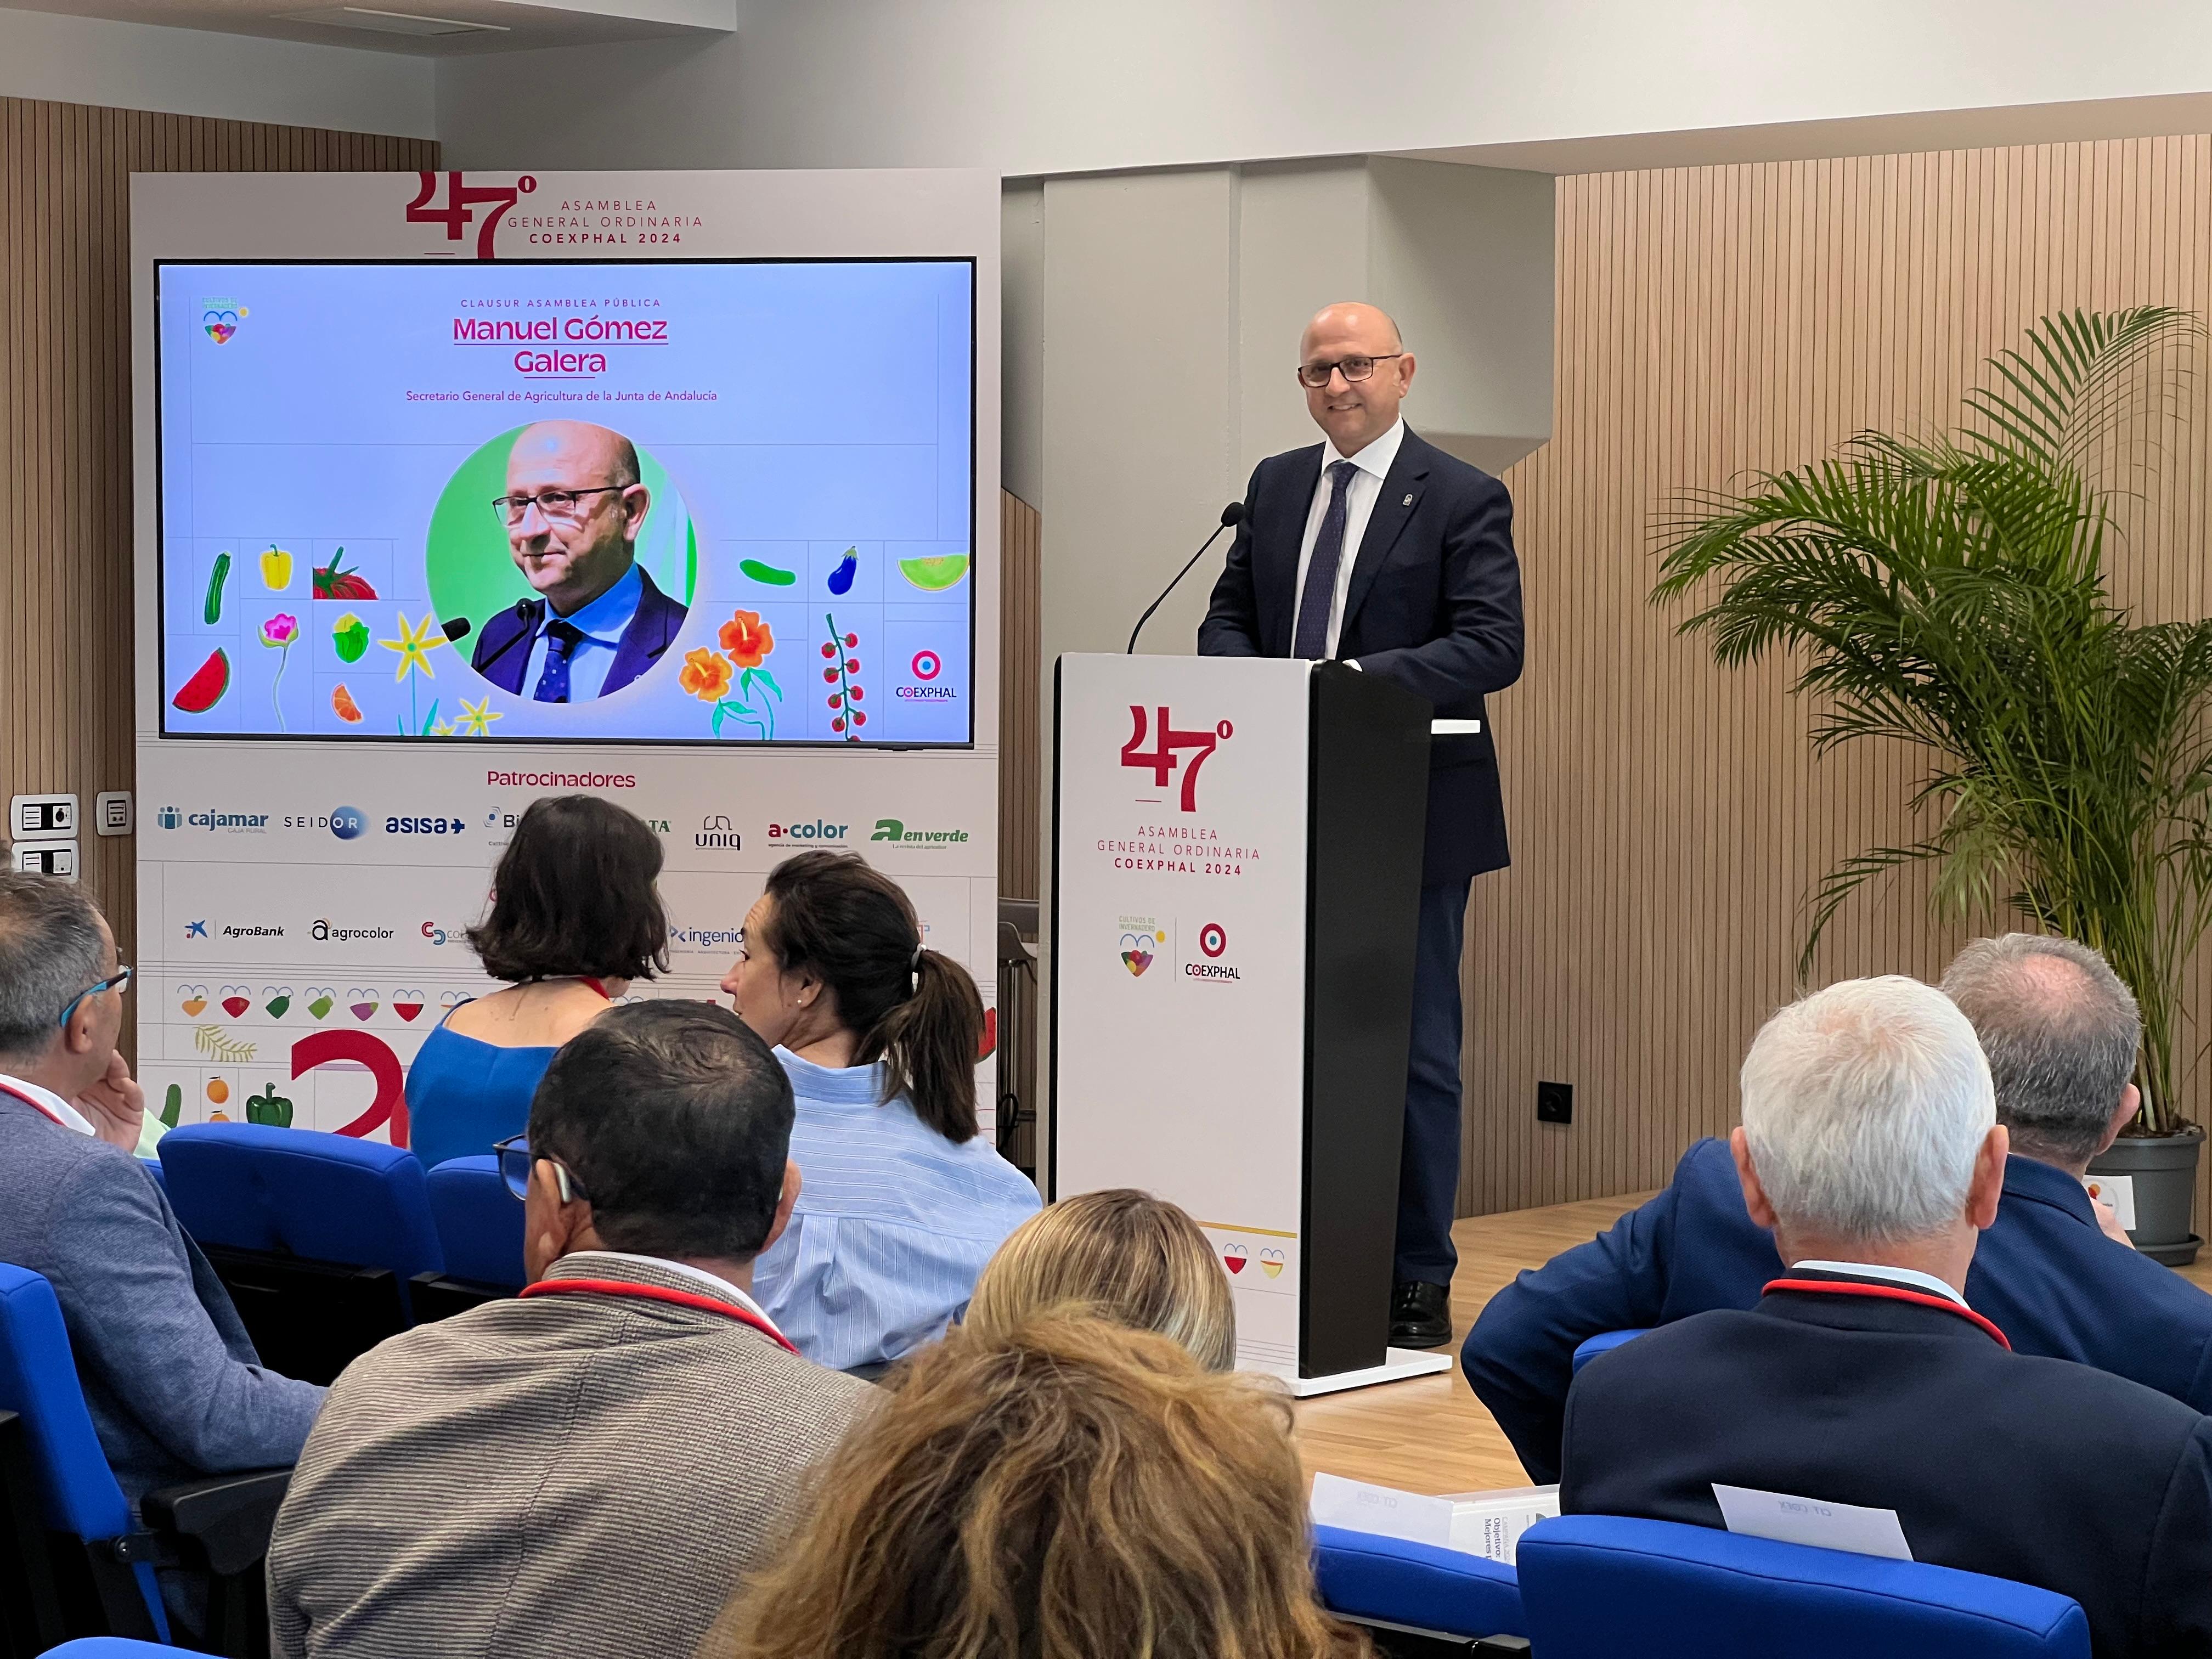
<point x="1212" y="944"/>
<point x="423" y="826"/>
<point x="221" y="317"/>
<point x="1139" y="945"/>
<point x="1169" y="748"/>
<point x="817" y="830"/>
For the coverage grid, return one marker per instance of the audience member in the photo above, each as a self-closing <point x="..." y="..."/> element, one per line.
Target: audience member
<point x="904" y="1200"/>
<point x="1120" y="1255"/>
<point x="1869" y="1145"/>
<point x="574" y="918"/>
<point x="174" y="1385"/>
<point x="1064" y="1486"/>
<point x="2061" y="1032"/>
<point x="591" y="1467"/>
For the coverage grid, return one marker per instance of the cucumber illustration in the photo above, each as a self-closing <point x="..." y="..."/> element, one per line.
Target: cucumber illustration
<point x="213" y="609"/>
<point x="172" y="1106"/>
<point x="768" y="573"/>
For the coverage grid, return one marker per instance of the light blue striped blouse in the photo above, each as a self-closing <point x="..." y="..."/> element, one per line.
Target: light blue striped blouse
<point x="893" y="1222"/>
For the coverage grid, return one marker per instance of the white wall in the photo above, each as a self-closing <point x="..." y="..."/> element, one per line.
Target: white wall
<point x="88" y="60"/>
<point x="1028" y="87"/>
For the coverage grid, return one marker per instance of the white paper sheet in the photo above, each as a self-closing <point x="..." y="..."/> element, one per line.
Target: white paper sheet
<point x="1790" y="1520"/>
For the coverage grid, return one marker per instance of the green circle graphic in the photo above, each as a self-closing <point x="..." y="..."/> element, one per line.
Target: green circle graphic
<point x="468" y="565"/>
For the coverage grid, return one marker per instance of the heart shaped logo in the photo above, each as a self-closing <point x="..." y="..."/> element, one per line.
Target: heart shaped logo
<point x="279" y="1000"/>
<point x="192" y="998"/>
<point x="321" y="999"/>
<point x="1137" y="951"/>
<point x="361" y="1002"/>
<point x="1232" y="1257"/>
<point x="407" y="1004"/>
<point x="451" y="999"/>
<point x="1271" y="1262"/>
<point x="235" y="1001"/>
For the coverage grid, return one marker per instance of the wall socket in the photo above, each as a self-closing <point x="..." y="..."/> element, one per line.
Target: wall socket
<point x="1555" y="1103"/>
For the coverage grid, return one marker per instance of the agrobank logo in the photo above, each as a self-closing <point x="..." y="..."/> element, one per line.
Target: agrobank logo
<point x="1169" y="745"/>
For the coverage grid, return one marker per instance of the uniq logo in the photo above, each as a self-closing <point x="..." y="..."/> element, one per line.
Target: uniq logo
<point x="716" y="830"/>
<point x="462" y="201"/>
<point x="1169" y="745"/>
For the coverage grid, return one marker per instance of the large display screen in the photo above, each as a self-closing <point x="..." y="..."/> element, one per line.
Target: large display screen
<point x="710" y="501"/>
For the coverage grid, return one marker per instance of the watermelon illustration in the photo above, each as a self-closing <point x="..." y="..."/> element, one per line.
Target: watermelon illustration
<point x="205" y="690"/>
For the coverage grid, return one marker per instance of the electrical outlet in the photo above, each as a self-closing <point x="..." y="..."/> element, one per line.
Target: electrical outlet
<point x="1555" y="1103"/>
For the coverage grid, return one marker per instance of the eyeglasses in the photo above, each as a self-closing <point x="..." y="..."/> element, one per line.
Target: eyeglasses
<point x="1315" y="375"/>
<point x="561" y="505"/>
<point x="115" y="982"/>
<point x="516" y="1161"/>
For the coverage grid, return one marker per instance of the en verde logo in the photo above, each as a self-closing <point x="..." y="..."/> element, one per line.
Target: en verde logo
<point x="896" y="829"/>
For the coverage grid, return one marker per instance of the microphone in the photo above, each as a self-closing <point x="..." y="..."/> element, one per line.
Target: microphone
<point x="525" y="619"/>
<point x="1231" y="516"/>
<point x="456" y="630"/>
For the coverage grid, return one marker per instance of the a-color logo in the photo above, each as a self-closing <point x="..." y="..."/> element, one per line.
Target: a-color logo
<point x="817" y="830"/>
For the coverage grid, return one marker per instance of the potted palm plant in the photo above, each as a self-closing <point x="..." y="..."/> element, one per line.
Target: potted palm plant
<point x="1950" y="592"/>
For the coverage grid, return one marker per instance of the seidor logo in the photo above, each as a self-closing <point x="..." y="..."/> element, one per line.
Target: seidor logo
<point x="344" y="822"/>
<point x="1213" y="943"/>
<point x="817" y="830"/>
<point x="462" y="201"/>
<point x="1169" y="745"/>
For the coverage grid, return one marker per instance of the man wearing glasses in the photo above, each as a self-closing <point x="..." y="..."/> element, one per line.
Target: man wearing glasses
<point x="574" y="507"/>
<point x="174" y="1385"/>
<point x="1378" y="550"/>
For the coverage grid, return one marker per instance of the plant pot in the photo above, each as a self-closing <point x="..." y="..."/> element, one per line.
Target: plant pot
<point x="2164" y="1170"/>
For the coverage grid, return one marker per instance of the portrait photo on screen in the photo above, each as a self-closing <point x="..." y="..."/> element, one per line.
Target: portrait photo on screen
<point x="684" y="502"/>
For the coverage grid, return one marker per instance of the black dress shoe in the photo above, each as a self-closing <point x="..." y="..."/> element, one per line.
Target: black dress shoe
<point x="1420" y="1315"/>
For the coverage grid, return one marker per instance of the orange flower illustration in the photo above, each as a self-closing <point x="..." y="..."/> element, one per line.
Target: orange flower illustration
<point x="706" y="674"/>
<point x="747" y="638"/>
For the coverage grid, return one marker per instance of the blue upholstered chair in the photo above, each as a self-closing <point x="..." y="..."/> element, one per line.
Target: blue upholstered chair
<point x="1605" y="1343"/>
<point x="109" y="1647"/>
<point x="1595" y="1586"/>
<point x="1418" y="1592"/>
<point x="91" y="1566"/>
<point x="318" y="1236"/>
<point x="479" y="1229"/>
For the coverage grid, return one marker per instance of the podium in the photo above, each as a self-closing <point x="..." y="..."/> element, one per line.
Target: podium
<point x="1236" y="886"/>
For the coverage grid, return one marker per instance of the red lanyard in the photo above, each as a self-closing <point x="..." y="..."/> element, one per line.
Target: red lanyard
<point x="659" y="1293"/>
<point x="35" y="1107"/>
<point x="1890" y="1293"/>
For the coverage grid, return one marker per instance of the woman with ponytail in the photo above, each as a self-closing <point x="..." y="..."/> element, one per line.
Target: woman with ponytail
<point x="901" y="1201"/>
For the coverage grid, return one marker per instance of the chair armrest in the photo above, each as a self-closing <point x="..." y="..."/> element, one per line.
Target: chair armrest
<point x="229" y="1517"/>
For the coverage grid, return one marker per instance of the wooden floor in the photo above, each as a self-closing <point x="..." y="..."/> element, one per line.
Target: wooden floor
<point x="1431" y="1435"/>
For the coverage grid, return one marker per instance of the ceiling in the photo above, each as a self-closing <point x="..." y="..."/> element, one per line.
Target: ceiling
<point x="432" y="29"/>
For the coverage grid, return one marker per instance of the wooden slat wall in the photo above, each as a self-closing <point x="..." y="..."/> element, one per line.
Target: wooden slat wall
<point x="1020" y="792"/>
<point x="65" y="526"/>
<point x="1666" y="819"/>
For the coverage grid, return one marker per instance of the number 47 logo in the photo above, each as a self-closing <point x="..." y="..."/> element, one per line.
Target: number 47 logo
<point x="1171" y="745"/>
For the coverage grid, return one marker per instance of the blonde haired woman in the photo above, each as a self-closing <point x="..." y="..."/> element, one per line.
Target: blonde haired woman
<point x="1065" y="1487"/>
<point x="1121" y="1254"/>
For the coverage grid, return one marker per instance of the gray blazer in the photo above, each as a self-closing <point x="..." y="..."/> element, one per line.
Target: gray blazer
<point x="175" y="1387"/>
<point x="574" y="1474"/>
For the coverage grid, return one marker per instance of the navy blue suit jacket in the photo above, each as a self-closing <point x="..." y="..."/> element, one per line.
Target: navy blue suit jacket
<point x="2001" y="1463"/>
<point x="2043" y="1274"/>
<point x="1434" y="604"/>
<point x="502" y="653"/>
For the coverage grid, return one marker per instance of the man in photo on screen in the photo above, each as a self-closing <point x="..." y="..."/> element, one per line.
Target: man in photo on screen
<point x="1863" y="1375"/>
<point x="2054" y="1272"/>
<point x="575" y="505"/>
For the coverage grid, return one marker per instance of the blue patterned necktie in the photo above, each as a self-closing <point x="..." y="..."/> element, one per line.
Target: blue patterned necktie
<point x="1311" y="639"/>
<point x="562" y="639"/>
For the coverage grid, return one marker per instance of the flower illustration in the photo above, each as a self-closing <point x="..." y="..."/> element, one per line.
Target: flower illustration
<point x="477" y="718"/>
<point x="706" y="673"/>
<point x="415" y="642"/>
<point x="747" y="638"/>
<point x="280" y="629"/>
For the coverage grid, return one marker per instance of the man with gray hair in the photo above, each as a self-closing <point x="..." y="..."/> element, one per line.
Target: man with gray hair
<point x="1870" y="1146"/>
<point x="175" y="1387"/>
<point x="2060" y="1031"/>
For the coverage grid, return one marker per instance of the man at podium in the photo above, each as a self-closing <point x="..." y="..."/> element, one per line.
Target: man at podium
<point x="1380" y="550"/>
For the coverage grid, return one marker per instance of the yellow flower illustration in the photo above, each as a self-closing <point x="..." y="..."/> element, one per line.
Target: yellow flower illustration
<point x="415" y="642"/>
<point x="477" y="718"/>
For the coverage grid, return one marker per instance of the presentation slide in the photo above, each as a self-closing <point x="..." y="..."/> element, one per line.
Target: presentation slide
<point x="677" y="501"/>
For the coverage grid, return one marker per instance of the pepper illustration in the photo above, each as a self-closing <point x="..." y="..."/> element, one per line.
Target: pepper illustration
<point x="276" y="568"/>
<point x="211" y="612"/>
<point x="270" y="1108"/>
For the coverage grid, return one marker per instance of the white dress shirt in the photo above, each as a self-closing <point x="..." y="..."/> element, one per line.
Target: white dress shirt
<point x="1359" y="498"/>
<point x="714" y="1282"/>
<point x="1912" y="1277"/>
<point x="55" y="1108"/>
<point x="604" y="621"/>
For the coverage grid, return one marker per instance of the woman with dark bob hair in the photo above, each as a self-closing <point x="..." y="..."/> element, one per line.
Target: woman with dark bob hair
<point x="574" y="918"/>
<point x="901" y="1202"/>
